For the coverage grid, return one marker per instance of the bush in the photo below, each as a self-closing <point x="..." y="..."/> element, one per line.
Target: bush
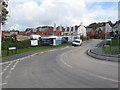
<point x="18" y="44"/>
<point x="26" y="43"/>
<point x="6" y="44"/>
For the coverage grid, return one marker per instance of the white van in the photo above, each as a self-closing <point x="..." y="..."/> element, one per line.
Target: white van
<point x="77" y="42"/>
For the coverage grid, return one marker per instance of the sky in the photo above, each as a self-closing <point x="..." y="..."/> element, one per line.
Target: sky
<point x="33" y="13"/>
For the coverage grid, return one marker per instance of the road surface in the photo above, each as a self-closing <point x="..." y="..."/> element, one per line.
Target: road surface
<point x="67" y="67"/>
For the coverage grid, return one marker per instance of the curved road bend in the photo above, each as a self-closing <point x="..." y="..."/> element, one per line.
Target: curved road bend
<point x="62" y="68"/>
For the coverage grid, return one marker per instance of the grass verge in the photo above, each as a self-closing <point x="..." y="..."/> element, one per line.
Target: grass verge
<point x="4" y="53"/>
<point x="114" y="49"/>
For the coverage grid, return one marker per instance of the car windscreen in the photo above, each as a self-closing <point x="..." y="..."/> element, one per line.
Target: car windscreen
<point x="77" y="41"/>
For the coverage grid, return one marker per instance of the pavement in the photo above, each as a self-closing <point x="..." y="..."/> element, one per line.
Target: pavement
<point x="67" y="67"/>
<point x="97" y="52"/>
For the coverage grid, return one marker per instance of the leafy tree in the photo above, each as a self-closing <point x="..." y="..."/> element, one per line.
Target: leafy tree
<point x="110" y="23"/>
<point x="4" y="11"/>
<point x="100" y="24"/>
<point x="28" y="29"/>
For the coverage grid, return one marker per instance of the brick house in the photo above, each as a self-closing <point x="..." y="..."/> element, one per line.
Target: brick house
<point x="40" y="31"/>
<point x="48" y="31"/>
<point x="28" y="33"/>
<point x="90" y="32"/>
<point x="21" y="33"/>
<point x="116" y="27"/>
<point x="100" y="32"/>
<point x="58" y="32"/>
<point x="5" y="35"/>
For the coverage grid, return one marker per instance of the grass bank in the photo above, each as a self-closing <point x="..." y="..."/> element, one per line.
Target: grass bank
<point x="115" y="47"/>
<point x="4" y="53"/>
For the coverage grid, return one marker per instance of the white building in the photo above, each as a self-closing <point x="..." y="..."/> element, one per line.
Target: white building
<point x="82" y="30"/>
<point x="35" y="36"/>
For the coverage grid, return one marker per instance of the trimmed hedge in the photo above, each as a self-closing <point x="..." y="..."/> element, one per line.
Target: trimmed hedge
<point x="18" y="44"/>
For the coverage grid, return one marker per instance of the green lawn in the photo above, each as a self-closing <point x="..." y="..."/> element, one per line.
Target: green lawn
<point x="114" y="49"/>
<point x="4" y="53"/>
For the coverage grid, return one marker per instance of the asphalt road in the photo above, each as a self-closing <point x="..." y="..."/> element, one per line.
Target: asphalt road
<point x="67" y="67"/>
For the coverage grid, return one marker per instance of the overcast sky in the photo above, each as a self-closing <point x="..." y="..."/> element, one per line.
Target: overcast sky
<point x="33" y="13"/>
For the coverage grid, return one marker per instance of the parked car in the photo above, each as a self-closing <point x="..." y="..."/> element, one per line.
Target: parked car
<point x="77" y="42"/>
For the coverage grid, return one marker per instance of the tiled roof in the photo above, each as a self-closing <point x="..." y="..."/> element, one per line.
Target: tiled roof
<point x="6" y="34"/>
<point x="28" y="31"/>
<point x="117" y="27"/>
<point x="99" y="28"/>
<point x="34" y="30"/>
<point x="41" y="29"/>
<point x="89" y="29"/>
<point x="11" y="33"/>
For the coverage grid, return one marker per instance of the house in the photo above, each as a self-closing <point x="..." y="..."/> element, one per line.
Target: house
<point x="28" y="33"/>
<point x="13" y="33"/>
<point x="21" y="33"/>
<point x="58" y="32"/>
<point x="116" y="27"/>
<point x="82" y="32"/>
<point x="35" y="36"/>
<point x="40" y="31"/>
<point x="48" y="31"/>
<point x="100" y="32"/>
<point x="90" y="32"/>
<point x="22" y="38"/>
<point x="71" y="30"/>
<point x="5" y="35"/>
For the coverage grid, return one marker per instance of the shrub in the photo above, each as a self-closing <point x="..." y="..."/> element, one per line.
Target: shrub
<point x="6" y="44"/>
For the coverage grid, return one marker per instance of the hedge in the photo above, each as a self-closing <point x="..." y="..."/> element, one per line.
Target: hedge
<point x="18" y="44"/>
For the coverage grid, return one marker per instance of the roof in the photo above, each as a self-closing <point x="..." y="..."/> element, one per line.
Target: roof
<point x="99" y="28"/>
<point x="21" y="33"/>
<point x="34" y="30"/>
<point x="11" y="33"/>
<point x="6" y="34"/>
<point x="43" y="29"/>
<point x="50" y="30"/>
<point x="28" y="31"/>
<point x="117" y="27"/>
<point x="89" y="29"/>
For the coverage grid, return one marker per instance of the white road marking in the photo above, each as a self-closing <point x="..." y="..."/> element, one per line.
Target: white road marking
<point x="9" y="64"/>
<point x="3" y="84"/>
<point x="5" y="69"/>
<point x="1" y="73"/>
<point x="66" y="63"/>
<point x="7" y="77"/>
<point x="53" y="50"/>
<point x="103" y="77"/>
<point x="26" y="57"/>
<point x="12" y="69"/>
<point x="14" y="66"/>
<point x="42" y="52"/>
<point x="63" y="48"/>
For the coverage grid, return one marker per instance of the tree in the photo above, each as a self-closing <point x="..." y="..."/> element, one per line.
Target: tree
<point x="28" y="29"/>
<point x="3" y="10"/>
<point x="3" y="16"/>
<point x="110" y="23"/>
<point x="100" y="24"/>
